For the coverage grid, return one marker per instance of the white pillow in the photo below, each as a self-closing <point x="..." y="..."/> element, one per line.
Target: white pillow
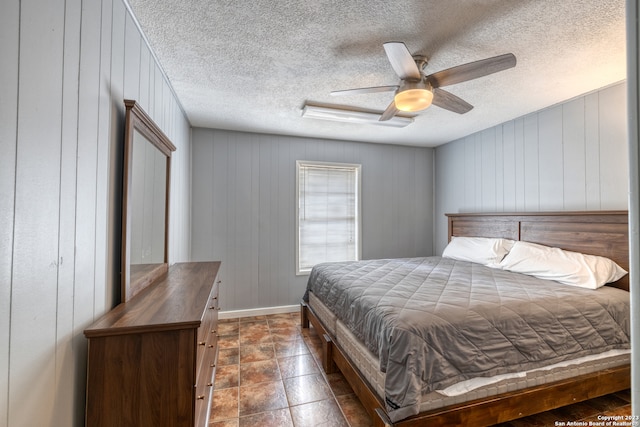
<point x="482" y="250"/>
<point x="569" y="268"/>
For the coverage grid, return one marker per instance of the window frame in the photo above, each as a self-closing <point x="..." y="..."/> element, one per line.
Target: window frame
<point x="358" y="205"/>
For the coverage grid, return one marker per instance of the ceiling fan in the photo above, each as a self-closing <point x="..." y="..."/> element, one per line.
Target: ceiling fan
<point x="417" y="91"/>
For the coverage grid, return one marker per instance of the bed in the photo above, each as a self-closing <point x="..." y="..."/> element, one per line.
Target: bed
<point x="441" y="393"/>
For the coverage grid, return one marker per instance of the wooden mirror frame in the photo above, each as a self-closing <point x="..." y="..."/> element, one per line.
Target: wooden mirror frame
<point x="136" y="119"/>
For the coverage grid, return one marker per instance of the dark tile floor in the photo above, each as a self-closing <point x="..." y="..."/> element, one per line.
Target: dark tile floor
<point x="269" y="374"/>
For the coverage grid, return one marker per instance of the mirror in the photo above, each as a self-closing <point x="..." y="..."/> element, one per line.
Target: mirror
<point x="147" y="161"/>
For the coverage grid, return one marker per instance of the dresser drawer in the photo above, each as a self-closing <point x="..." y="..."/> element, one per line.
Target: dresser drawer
<point x="204" y="396"/>
<point x="207" y="354"/>
<point x="207" y="332"/>
<point x="204" y="380"/>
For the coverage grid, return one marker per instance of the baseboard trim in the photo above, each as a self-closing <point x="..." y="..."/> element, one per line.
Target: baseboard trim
<point x="258" y="311"/>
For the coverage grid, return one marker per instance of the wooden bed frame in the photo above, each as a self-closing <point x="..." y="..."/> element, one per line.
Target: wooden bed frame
<point x="602" y="233"/>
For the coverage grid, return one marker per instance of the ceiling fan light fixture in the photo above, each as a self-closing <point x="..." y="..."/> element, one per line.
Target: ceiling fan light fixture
<point x="413" y="99"/>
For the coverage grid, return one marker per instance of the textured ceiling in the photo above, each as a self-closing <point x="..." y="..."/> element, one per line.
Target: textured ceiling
<point x="252" y="66"/>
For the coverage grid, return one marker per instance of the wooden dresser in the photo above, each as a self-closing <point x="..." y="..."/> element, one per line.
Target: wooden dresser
<point x="152" y="359"/>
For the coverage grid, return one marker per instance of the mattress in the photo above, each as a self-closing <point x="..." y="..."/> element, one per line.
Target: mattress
<point x="464" y="391"/>
<point x="434" y="322"/>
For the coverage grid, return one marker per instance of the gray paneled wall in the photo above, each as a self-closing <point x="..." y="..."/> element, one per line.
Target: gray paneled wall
<point x="572" y="156"/>
<point x="66" y="67"/>
<point x="243" y="208"/>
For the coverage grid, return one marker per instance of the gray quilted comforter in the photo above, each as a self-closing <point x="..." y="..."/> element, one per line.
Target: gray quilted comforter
<point x="434" y="321"/>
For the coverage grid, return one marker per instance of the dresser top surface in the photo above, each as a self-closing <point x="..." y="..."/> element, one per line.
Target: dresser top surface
<point x="177" y="300"/>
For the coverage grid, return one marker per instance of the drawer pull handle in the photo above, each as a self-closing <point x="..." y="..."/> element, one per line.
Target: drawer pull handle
<point x="213" y="331"/>
<point x="210" y="345"/>
<point x="200" y="397"/>
<point x="209" y="384"/>
<point x="219" y="281"/>
<point x="213" y="365"/>
<point x="213" y="307"/>
<point x="202" y="343"/>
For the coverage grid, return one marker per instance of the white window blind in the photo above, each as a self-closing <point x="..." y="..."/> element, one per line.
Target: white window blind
<point x="328" y="213"/>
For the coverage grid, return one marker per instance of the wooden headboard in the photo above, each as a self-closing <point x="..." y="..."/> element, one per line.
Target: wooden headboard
<point x="604" y="233"/>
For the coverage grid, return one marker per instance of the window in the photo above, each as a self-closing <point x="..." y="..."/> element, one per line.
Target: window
<point x="327" y="213"/>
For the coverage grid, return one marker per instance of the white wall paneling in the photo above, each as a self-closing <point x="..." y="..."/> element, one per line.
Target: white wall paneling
<point x="614" y="165"/>
<point x="33" y="308"/>
<point x="9" y="42"/>
<point x="67" y="66"/>
<point x="244" y="215"/>
<point x="116" y="146"/>
<point x="68" y="371"/>
<point x="574" y="153"/>
<point x="571" y="156"/>
<point x="102" y="297"/>
<point x="551" y="160"/>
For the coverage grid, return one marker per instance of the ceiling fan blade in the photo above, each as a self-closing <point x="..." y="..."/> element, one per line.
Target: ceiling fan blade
<point x="364" y="90"/>
<point x="389" y="112"/>
<point x="449" y="101"/>
<point x="472" y="70"/>
<point x="401" y="60"/>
